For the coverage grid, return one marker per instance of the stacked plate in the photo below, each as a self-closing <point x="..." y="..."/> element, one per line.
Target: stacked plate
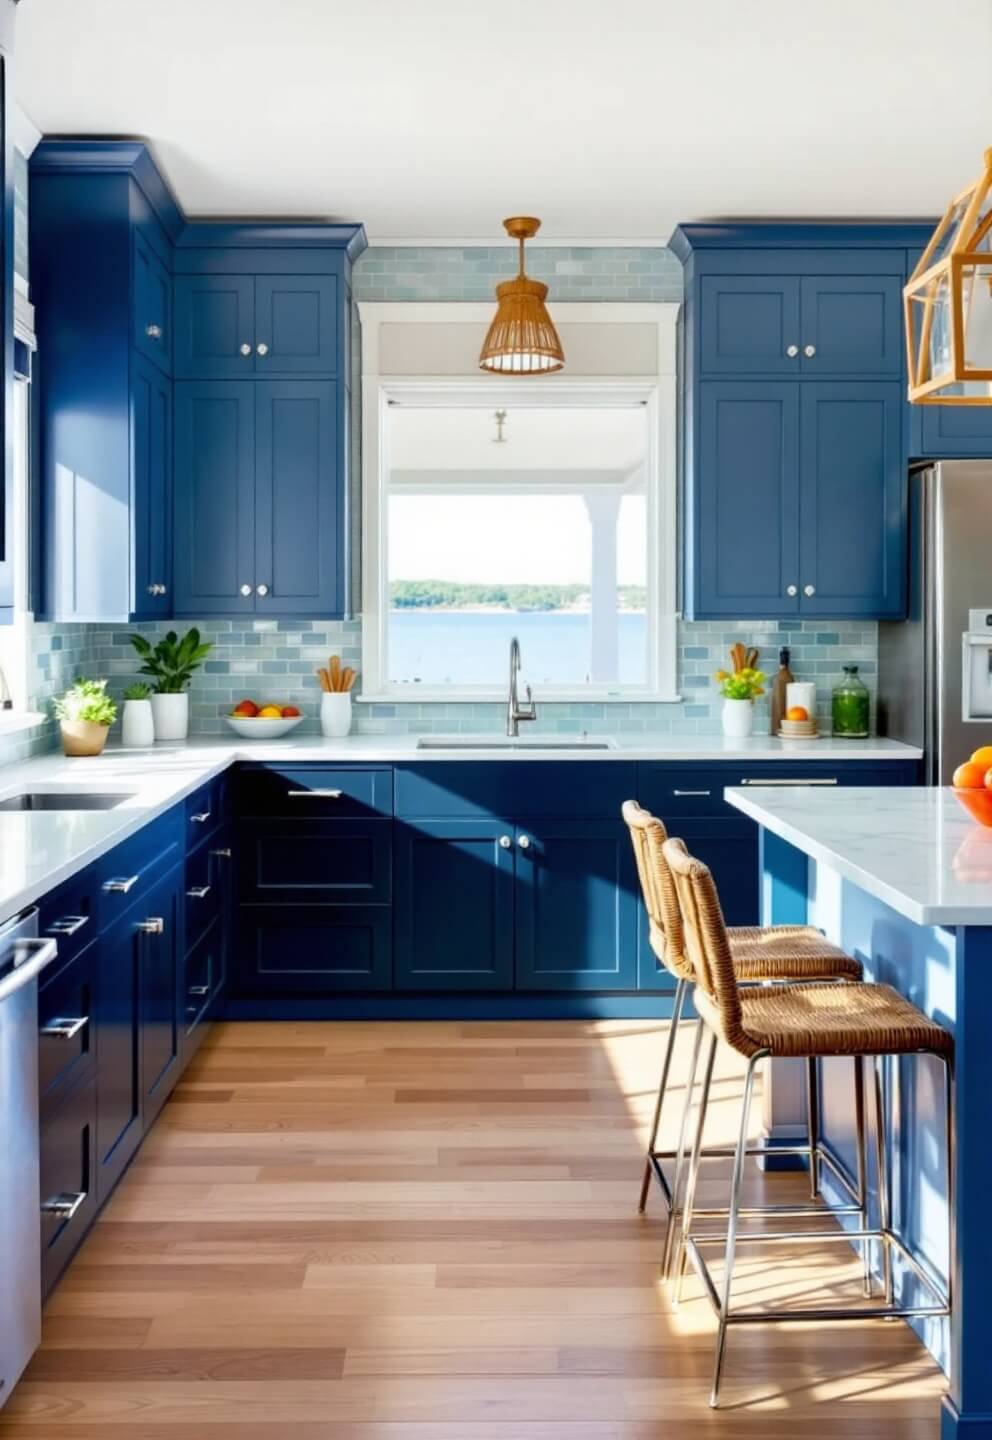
<point x="798" y="729"/>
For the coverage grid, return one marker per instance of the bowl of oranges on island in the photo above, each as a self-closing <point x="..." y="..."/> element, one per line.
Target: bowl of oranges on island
<point x="263" y="720"/>
<point x="972" y="783"/>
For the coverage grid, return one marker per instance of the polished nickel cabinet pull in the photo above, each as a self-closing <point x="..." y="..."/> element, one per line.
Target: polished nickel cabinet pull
<point x="198" y="892"/>
<point x="224" y="853"/>
<point x="315" y="794"/>
<point x="68" y="924"/>
<point x="198" y="990"/>
<point x="154" y="925"/>
<point x="154" y="332"/>
<point x="201" y="817"/>
<point x="65" y="1204"/>
<point x="505" y="842"/>
<point x="692" y="792"/>
<point x="120" y="884"/>
<point x="818" y="781"/>
<point x="63" y="1029"/>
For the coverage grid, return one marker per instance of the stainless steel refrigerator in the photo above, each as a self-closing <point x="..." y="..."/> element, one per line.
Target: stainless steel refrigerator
<point x="935" y="669"/>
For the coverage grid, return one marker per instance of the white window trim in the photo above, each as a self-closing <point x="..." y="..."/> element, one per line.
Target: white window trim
<point x="657" y="391"/>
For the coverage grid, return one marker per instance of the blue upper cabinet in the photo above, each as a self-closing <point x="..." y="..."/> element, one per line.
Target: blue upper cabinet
<point x="152" y="456"/>
<point x="952" y="432"/>
<point x="8" y="11"/>
<point x="794" y="420"/>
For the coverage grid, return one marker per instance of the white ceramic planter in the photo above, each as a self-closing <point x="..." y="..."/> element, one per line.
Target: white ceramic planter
<point x="138" y="725"/>
<point x="335" y="714"/>
<point x="170" y="714"/>
<point x="738" y="718"/>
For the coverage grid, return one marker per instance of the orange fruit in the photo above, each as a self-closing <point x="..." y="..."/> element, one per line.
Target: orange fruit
<point x="969" y="776"/>
<point x="289" y="712"/>
<point x="248" y="708"/>
<point x="272" y="712"/>
<point x="982" y="756"/>
<point x="799" y="712"/>
<point x="988" y="778"/>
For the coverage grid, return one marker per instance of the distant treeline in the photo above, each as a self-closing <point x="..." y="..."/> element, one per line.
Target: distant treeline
<point x="424" y="594"/>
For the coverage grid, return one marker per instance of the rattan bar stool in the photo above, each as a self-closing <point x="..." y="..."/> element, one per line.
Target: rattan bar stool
<point x="864" y="1021"/>
<point x="762" y="954"/>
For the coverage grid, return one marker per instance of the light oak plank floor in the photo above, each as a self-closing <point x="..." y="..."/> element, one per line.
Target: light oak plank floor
<point x="429" y="1232"/>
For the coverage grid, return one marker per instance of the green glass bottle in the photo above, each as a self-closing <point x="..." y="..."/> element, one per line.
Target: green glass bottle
<point x="849" y="705"/>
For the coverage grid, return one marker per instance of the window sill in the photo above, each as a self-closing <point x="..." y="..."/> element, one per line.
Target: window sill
<point x="12" y="722"/>
<point x="496" y="697"/>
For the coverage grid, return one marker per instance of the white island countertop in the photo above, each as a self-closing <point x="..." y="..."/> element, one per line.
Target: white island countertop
<point x="39" y="850"/>
<point x="916" y="849"/>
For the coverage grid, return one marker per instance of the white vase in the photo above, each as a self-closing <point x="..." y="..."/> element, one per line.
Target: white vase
<point x="138" y="725"/>
<point x="738" y="718"/>
<point x="335" y="714"/>
<point x="171" y="716"/>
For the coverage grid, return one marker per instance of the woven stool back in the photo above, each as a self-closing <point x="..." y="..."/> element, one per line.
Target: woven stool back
<point x="661" y="901"/>
<point x="707" y="945"/>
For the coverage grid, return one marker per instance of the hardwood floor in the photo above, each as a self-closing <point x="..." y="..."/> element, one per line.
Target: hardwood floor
<point x="429" y="1232"/>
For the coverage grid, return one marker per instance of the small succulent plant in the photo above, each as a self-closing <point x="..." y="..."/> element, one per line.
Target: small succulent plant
<point x="138" y="691"/>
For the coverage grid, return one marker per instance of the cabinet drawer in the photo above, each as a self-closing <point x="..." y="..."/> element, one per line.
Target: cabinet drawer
<point x="203" y="882"/>
<point x="325" y="861"/>
<point x="314" y="948"/>
<point x="204" y="810"/>
<point x="70" y="913"/>
<point x="65" y="1029"/>
<point x="68" y="1169"/>
<point x="510" y="789"/>
<point x="129" y="871"/>
<point x="202" y="973"/>
<point x="307" y="791"/>
<point x="671" y="791"/>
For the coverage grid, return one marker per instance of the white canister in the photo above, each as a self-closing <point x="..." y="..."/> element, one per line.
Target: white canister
<point x="801" y="692"/>
<point x="335" y="713"/>
<point x="138" y="725"/>
<point x="738" y="718"/>
<point x="171" y="716"/>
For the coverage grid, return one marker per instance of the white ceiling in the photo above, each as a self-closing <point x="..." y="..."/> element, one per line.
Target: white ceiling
<point x="432" y="119"/>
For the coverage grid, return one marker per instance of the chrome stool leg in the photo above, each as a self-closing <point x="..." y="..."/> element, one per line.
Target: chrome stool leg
<point x="651" y="1164"/>
<point x="882" y="1164"/>
<point x="697" y="1146"/>
<point x="862" y="1180"/>
<point x="674" y="1213"/>
<point x="813" y="1125"/>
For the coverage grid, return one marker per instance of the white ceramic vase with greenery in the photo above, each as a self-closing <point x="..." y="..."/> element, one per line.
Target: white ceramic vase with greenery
<point x="171" y="665"/>
<point x="85" y="714"/>
<point x="138" y="725"/>
<point x="739" y="689"/>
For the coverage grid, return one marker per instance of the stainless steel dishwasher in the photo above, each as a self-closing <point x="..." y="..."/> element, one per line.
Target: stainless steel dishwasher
<point x="22" y="958"/>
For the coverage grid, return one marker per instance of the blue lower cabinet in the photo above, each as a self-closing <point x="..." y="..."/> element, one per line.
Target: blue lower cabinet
<point x="202" y="976"/>
<point x="453" y="909"/>
<point x="66" y="1012"/>
<point x="316" y="861"/>
<point x="68" y="1175"/>
<point x="318" y="949"/>
<point x="576" y="907"/>
<point x="160" y="927"/>
<point x="118" y="1036"/>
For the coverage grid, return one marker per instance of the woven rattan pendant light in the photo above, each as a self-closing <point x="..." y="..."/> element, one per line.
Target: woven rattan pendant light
<point x="522" y="340"/>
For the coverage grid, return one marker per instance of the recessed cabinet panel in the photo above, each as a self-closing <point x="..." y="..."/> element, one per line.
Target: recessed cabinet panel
<point x="215" y="497"/>
<point x="949" y="432"/>
<point x="118" y="1118"/>
<point x="319" y="949"/>
<point x="852" y="324"/>
<point x="152" y="308"/>
<point x="214" y="326"/>
<point x="296" y="323"/>
<point x="747" y="508"/>
<point x="330" y="861"/>
<point x="748" y="324"/>
<point x="151" y="463"/>
<point x="160" y="991"/>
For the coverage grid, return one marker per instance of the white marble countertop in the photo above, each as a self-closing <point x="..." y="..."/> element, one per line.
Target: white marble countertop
<point x="38" y="850"/>
<point x="916" y="849"/>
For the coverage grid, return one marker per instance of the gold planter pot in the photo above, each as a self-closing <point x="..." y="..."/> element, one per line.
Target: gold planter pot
<point x="83" y="737"/>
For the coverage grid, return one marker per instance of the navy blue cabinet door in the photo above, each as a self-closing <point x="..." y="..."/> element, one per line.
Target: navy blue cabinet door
<point x="315" y="949"/>
<point x="214" y="552"/>
<point x="151" y="465"/>
<point x="453" y="910"/>
<point x="952" y="432"/>
<point x="852" y="500"/>
<point x="151" y="311"/>
<point x="296" y="325"/>
<point x="159" y="919"/>
<point x="118" y="1113"/>
<point x="297" y="514"/>
<point x="576" y="907"/>
<point x="214" y="326"/>
<point x="851" y="325"/>
<point x="749" y="324"/>
<point x="746" y="503"/>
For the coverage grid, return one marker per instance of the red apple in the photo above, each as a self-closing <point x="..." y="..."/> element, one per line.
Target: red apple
<point x="289" y="712"/>
<point x="246" y="708"/>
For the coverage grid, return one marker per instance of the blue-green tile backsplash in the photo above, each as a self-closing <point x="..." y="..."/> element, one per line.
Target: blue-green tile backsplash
<point x="277" y="659"/>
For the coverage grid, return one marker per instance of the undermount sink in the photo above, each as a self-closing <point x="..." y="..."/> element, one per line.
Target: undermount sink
<point x="32" y="800"/>
<point x="509" y="742"/>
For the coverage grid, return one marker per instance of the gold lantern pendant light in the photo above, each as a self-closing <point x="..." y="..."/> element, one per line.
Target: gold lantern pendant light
<point x="522" y="340"/>
<point x="948" y="304"/>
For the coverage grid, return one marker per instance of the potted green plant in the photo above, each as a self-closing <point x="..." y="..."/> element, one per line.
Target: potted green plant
<point x="739" y="689"/>
<point x="171" y="665"/>
<point x="85" y="713"/>
<point x="138" y="726"/>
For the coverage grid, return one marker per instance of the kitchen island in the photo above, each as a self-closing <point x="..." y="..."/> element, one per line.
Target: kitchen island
<point x="902" y="879"/>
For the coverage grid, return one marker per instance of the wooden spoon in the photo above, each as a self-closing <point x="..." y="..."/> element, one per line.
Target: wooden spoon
<point x="335" y="672"/>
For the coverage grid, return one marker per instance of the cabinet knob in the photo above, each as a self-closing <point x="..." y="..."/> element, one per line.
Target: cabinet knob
<point x="524" y="842"/>
<point x="505" y="842"/>
<point x="809" y="350"/>
<point x="809" y="590"/>
<point x="261" y="590"/>
<point x="262" y="348"/>
<point x="792" y="590"/>
<point x="156" y="588"/>
<point x="245" y="348"/>
<point x="792" y="351"/>
<point x="154" y="925"/>
<point x="246" y="591"/>
<point x="154" y="332"/>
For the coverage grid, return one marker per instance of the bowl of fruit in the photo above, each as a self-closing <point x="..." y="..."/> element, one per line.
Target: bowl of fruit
<point x="972" y="783"/>
<point x="267" y="721"/>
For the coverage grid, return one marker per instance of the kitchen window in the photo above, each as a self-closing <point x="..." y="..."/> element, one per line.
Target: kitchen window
<point x="538" y="510"/>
